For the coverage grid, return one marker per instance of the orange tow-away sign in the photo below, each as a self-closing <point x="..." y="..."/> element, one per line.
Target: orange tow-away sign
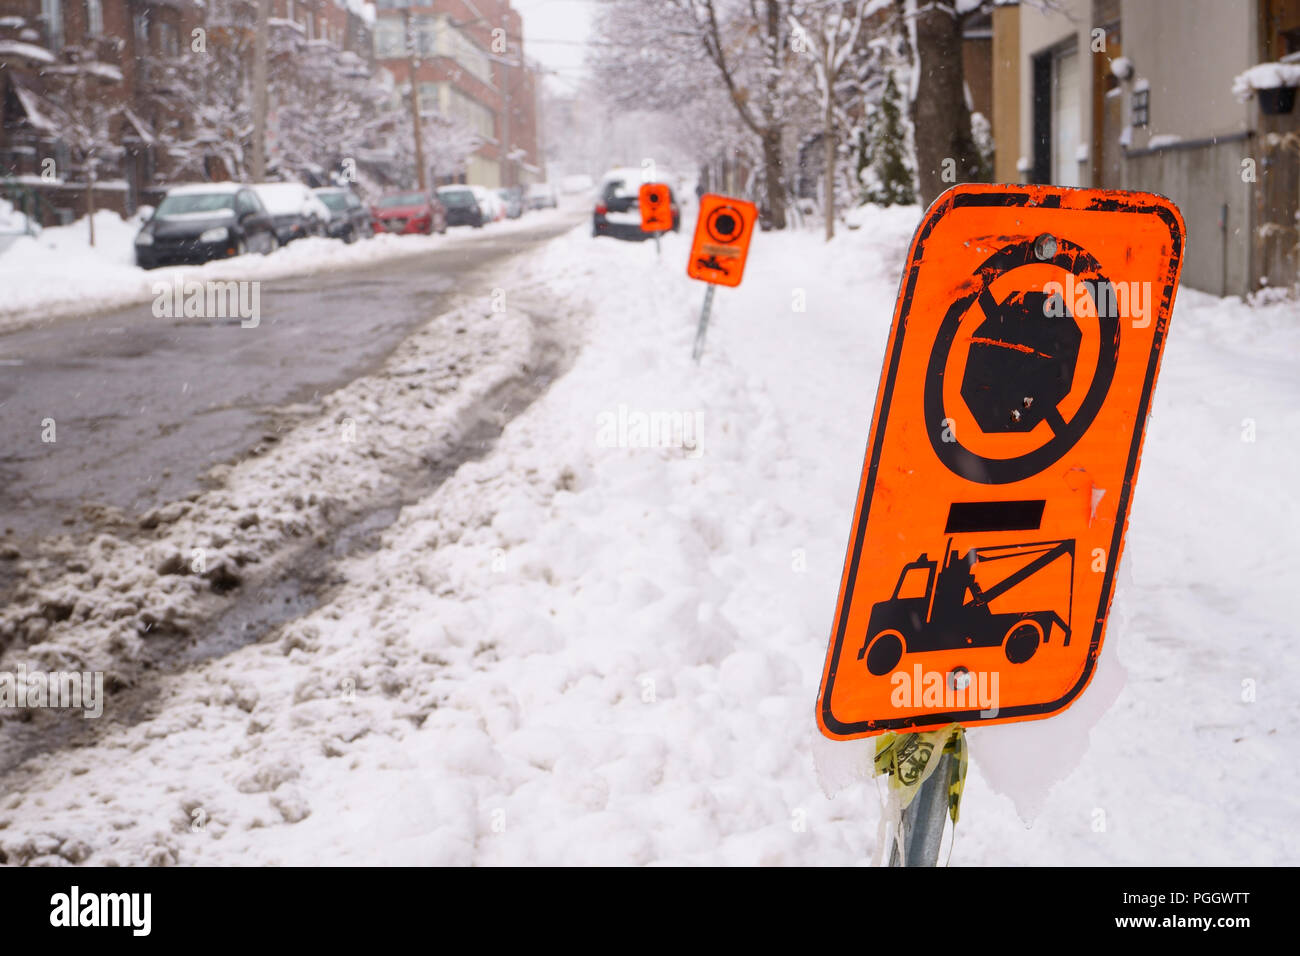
<point x="722" y="235"/>
<point x="655" y="200"/>
<point x="1002" y="458"/>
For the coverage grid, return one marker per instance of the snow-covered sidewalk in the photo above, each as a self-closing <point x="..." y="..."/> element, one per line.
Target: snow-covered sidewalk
<point x="602" y="642"/>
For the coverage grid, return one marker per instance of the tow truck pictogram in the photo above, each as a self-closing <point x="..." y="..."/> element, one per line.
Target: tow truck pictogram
<point x="953" y="613"/>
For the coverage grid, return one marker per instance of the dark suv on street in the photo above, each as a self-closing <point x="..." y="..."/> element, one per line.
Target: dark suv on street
<point x="349" y="217"/>
<point x="462" y="206"/>
<point x="618" y="207"/>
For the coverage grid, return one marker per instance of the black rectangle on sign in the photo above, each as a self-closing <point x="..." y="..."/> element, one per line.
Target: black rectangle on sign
<point x="964" y="516"/>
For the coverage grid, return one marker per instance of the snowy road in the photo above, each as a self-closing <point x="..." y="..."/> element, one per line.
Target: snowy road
<point x="143" y="406"/>
<point x="223" y="469"/>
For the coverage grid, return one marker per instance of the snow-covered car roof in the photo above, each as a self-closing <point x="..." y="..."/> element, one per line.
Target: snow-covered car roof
<point x="282" y="197"/>
<point x="192" y="188"/>
<point x="623" y="172"/>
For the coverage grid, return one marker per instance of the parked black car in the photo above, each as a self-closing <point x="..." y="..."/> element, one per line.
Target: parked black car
<point x="462" y="207"/>
<point x="195" y="224"/>
<point x="294" y="209"/>
<point x="349" y="217"/>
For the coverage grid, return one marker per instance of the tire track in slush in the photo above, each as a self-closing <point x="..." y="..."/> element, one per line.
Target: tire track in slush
<point x="304" y="576"/>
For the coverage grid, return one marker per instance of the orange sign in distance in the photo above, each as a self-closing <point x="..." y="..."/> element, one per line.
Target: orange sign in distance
<point x="655" y="200"/>
<point x="1002" y="458"/>
<point x="722" y="235"/>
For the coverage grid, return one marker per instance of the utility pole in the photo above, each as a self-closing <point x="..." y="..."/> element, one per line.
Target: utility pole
<point x="413" y="64"/>
<point x="508" y="163"/>
<point x="260" y="90"/>
<point x="539" y="124"/>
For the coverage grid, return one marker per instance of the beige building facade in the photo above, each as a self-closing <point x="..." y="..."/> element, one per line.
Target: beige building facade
<point x="1138" y="94"/>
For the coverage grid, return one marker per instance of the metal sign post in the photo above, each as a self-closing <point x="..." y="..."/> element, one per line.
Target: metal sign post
<point x="923" y="820"/>
<point x="704" y="323"/>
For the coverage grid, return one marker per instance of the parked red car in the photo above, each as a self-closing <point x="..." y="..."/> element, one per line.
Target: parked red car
<point x="405" y="213"/>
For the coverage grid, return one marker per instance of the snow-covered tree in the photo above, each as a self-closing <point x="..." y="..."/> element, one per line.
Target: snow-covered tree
<point x="85" y="115"/>
<point x="828" y="31"/>
<point x="447" y="143"/>
<point x="886" y="173"/>
<point x="651" y="52"/>
<point x="648" y="59"/>
<point x="328" y="108"/>
<point x="201" y="102"/>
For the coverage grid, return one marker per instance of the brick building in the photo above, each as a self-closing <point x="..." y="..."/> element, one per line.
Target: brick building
<point x="129" y="44"/>
<point x="469" y="65"/>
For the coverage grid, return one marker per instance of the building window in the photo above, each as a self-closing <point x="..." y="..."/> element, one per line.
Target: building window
<point x="95" y="18"/>
<point x="1066" y="116"/>
<point x="1279" y="28"/>
<point x="52" y="14"/>
<point x="1057" y="116"/>
<point x="454" y="44"/>
<point x="141" y="29"/>
<point x="429" y="101"/>
<point x="425" y="34"/>
<point x="451" y="102"/>
<point x="1141" y="107"/>
<point x="168" y="39"/>
<point x="472" y="113"/>
<point x="390" y="39"/>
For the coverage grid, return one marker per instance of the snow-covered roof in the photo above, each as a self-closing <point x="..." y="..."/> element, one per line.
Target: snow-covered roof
<point x="28" y="51"/>
<point x="105" y="71"/>
<point x="31" y="104"/>
<point x="287" y="24"/>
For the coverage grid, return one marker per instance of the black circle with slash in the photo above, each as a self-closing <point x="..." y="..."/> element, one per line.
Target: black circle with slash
<point x="1021" y="364"/>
